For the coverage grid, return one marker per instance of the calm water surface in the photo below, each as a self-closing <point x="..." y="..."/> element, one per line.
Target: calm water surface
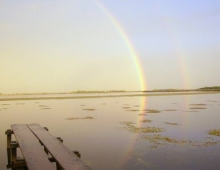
<point x="113" y="139"/>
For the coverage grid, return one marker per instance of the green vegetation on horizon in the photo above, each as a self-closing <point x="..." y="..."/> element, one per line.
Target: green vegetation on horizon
<point x="213" y="88"/>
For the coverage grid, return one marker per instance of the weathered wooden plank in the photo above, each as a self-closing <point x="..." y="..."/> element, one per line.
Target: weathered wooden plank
<point x="35" y="157"/>
<point x="66" y="158"/>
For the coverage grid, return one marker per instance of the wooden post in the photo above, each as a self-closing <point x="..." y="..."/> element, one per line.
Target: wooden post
<point x="77" y="153"/>
<point x="8" y="133"/>
<point x="60" y="139"/>
<point x="13" y="152"/>
<point x="58" y="166"/>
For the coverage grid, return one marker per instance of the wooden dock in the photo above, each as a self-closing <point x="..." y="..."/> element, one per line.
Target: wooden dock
<point x="40" y="149"/>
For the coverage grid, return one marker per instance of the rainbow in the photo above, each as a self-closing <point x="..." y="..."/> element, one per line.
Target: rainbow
<point x="127" y="41"/>
<point x="140" y="73"/>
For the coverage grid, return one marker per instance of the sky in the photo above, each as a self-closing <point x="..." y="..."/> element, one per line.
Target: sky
<point x="64" y="46"/>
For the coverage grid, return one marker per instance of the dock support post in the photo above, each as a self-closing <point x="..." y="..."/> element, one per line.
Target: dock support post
<point x="58" y="166"/>
<point x="13" y="152"/>
<point x="8" y="133"/>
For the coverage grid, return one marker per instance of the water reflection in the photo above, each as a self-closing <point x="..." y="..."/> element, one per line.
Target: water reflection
<point x="94" y="127"/>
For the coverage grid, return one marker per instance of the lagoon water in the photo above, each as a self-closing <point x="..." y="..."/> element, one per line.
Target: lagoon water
<point x="114" y="139"/>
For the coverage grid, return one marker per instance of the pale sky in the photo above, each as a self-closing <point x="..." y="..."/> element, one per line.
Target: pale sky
<point x="63" y="46"/>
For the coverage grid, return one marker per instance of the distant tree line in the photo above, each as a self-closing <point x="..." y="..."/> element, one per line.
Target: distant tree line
<point x="98" y="91"/>
<point x="170" y="90"/>
<point x="211" y="88"/>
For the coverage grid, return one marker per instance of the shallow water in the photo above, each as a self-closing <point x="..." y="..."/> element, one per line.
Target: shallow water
<point x="107" y="142"/>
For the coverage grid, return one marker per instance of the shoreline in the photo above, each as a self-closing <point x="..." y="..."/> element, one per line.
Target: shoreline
<point x="107" y="96"/>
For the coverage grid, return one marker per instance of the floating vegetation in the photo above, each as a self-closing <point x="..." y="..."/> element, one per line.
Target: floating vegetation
<point x="126" y="107"/>
<point x="158" y="140"/>
<point x="152" y="111"/>
<point x="103" y="103"/>
<point x="45" y="108"/>
<point x="162" y="140"/>
<point x="131" y="128"/>
<point x="174" y="124"/>
<point x="134" y="110"/>
<point x="191" y="111"/>
<point x="170" y="110"/>
<point x="136" y="105"/>
<point x="77" y="118"/>
<point x="200" y="104"/>
<point x="197" y="108"/>
<point x="215" y="132"/>
<point x="89" y="109"/>
<point x="142" y="114"/>
<point x="5" y="104"/>
<point x="146" y="121"/>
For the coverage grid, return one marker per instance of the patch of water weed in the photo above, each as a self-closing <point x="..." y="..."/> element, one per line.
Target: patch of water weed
<point x="127" y="123"/>
<point x="131" y="128"/>
<point x="45" y="108"/>
<point x="89" y="109"/>
<point x="5" y="104"/>
<point x="214" y="132"/>
<point x="174" y="124"/>
<point x="133" y="110"/>
<point x="142" y="114"/>
<point x="197" y="108"/>
<point x="103" y="103"/>
<point x="158" y="140"/>
<point x="146" y="121"/>
<point x="151" y="111"/>
<point x="199" y="104"/>
<point x="170" y="110"/>
<point x="82" y="118"/>
<point x="162" y="140"/>
<point x="190" y="111"/>
<point x="126" y="107"/>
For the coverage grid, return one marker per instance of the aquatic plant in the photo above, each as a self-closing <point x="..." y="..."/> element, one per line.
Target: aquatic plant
<point x="146" y="121"/>
<point x="131" y="128"/>
<point x="168" y="123"/>
<point x="151" y="111"/>
<point x="197" y="108"/>
<point x="89" y="109"/>
<point x="215" y="132"/>
<point x="77" y="118"/>
<point x="200" y="104"/>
